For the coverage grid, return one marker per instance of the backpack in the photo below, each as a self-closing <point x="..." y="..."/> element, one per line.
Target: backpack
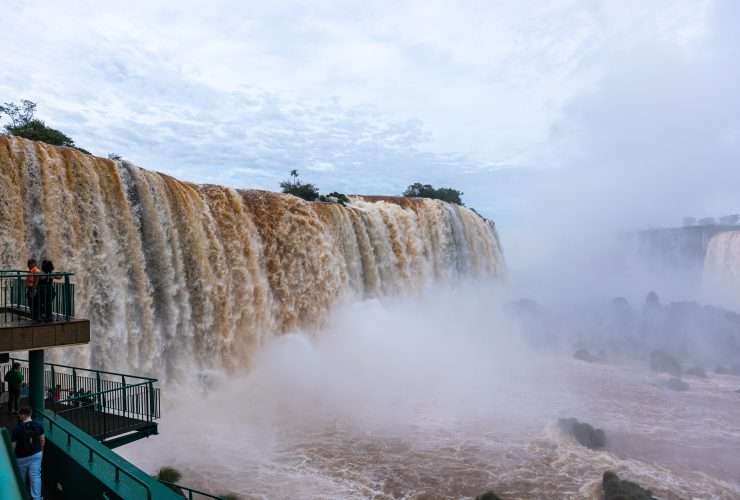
<point x="29" y="440"/>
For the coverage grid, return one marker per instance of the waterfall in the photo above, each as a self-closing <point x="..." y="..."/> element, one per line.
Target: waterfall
<point x="170" y="273"/>
<point x="721" y="279"/>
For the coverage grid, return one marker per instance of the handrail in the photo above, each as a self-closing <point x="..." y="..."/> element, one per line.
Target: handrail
<point x="88" y="395"/>
<point x="78" y="369"/>
<point x="46" y="299"/>
<point x="92" y="452"/>
<point x="191" y="491"/>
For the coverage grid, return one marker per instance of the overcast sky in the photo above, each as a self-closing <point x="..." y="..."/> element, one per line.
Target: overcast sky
<point x="507" y="101"/>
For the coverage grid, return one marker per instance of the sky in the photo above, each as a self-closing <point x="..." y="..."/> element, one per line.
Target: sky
<point x="627" y="111"/>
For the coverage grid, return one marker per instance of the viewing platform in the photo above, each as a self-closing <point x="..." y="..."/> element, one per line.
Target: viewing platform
<point x="39" y="316"/>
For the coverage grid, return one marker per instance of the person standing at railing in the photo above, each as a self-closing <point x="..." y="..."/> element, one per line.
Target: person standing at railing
<point x="46" y="290"/>
<point x="32" y="282"/>
<point x="14" y="378"/>
<point x="29" y="440"/>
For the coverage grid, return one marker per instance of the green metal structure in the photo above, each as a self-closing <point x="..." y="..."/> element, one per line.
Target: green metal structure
<point x="11" y="484"/>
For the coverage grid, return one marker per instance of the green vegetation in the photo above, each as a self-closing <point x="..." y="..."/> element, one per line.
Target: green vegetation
<point x="310" y="192"/>
<point x="294" y="186"/>
<point x="419" y="190"/>
<point x="169" y="475"/>
<point x="335" y="197"/>
<point x="23" y="124"/>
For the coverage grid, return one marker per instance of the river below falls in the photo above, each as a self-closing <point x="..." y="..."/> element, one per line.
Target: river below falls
<point x="680" y="444"/>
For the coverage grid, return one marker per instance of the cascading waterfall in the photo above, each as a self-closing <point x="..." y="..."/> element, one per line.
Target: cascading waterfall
<point x="721" y="280"/>
<point x="171" y="273"/>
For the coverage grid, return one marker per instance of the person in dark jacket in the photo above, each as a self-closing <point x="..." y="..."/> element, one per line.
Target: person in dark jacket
<point x="14" y="378"/>
<point x="46" y="290"/>
<point x="29" y="440"/>
<point x="32" y="281"/>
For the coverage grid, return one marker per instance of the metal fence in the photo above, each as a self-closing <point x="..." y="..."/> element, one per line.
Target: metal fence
<point x="101" y="403"/>
<point x="36" y="296"/>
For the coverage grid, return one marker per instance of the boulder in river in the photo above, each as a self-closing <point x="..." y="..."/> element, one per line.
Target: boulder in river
<point x="584" y="433"/>
<point x="662" y="362"/>
<point x="620" y="489"/>
<point x="677" y="384"/>
<point x="488" y="495"/>
<point x="697" y="371"/>
<point x="586" y="356"/>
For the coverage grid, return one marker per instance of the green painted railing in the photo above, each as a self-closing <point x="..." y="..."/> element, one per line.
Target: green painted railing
<point x="119" y="475"/>
<point x="12" y="486"/>
<point x="51" y="298"/>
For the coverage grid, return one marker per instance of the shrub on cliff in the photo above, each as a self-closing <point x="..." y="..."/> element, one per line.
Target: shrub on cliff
<point x="294" y="186"/>
<point x="23" y="124"/>
<point x="419" y="190"/>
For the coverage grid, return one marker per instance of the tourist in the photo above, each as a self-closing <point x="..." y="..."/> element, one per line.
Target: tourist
<point x="46" y="292"/>
<point x="14" y="378"/>
<point x="28" y="437"/>
<point x="32" y="288"/>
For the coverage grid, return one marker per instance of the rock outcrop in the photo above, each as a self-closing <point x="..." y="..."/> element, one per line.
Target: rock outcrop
<point x="697" y="371"/>
<point x="676" y="384"/>
<point x="488" y="495"/>
<point x="584" y="433"/>
<point x="620" y="489"/>
<point x="662" y="362"/>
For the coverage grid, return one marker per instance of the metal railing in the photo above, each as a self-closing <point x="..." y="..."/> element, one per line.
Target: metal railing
<point x="101" y="403"/>
<point x="36" y="296"/>
<point x="190" y="493"/>
<point x="71" y="435"/>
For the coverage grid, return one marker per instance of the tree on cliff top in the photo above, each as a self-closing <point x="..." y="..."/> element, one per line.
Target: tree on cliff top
<point x="23" y="124"/>
<point x="419" y="190"/>
<point x="294" y="186"/>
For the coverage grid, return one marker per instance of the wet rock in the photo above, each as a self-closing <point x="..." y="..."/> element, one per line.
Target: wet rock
<point x="620" y="489"/>
<point x="697" y="371"/>
<point x="586" y="356"/>
<point x="664" y="363"/>
<point x="677" y="384"/>
<point x="584" y="433"/>
<point x="488" y="495"/>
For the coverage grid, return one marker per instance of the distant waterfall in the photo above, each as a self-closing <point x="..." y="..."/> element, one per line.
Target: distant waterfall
<point x="721" y="283"/>
<point x="172" y="273"/>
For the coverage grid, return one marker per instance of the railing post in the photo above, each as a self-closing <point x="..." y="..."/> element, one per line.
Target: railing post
<point x="125" y="403"/>
<point x="53" y="389"/>
<point x="99" y="396"/>
<point x="74" y="382"/>
<point x="66" y="302"/>
<point x="150" y="401"/>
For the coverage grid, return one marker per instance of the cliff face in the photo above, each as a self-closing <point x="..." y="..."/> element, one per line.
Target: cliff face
<point x="171" y="272"/>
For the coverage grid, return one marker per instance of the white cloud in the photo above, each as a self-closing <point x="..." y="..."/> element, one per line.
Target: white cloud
<point x="386" y="93"/>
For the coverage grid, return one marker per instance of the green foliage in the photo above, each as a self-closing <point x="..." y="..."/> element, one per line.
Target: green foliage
<point x="36" y="130"/>
<point x="169" y="475"/>
<point x="335" y="197"/>
<point x="229" y="496"/>
<point x="308" y="192"/>
<point x="23" y="124"/>
<point x="419" y="190"/>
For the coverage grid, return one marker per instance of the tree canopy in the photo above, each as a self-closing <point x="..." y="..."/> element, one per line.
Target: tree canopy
<point x="294" y="186"/>
<point x="419" y="190"/>
<point x="24" y="124"/>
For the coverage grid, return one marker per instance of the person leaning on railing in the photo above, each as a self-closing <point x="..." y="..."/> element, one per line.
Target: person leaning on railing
<point x="32" y="281"/>
<point x="46" y="290"/>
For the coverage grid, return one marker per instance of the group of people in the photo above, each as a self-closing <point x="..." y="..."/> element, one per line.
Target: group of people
<point x="40" y="291"/>
<point x="27" y="436"/>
